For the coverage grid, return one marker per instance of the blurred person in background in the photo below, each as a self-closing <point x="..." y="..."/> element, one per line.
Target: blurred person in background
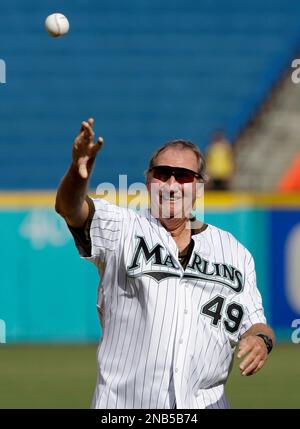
<point x="290" y="181"/>
<point x="220" y="162"/>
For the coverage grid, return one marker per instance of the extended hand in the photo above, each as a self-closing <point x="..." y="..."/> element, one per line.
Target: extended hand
<point x="254" y="352"/>
<point x="84" y="149"/>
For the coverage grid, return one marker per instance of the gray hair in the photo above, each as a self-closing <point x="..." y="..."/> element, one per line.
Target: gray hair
<point x="182" y="144"/>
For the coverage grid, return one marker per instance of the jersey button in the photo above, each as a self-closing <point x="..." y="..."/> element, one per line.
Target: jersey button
<point x="185" y="311"/>
<point x="180" y="341"/>
<point x="176" y="370"/>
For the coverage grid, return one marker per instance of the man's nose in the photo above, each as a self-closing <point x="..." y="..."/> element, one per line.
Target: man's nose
<point x="173" y="185"/>
<point x="171" y="181"/>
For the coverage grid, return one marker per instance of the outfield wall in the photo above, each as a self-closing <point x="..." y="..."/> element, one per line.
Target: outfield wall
<point x="47" y="293"/>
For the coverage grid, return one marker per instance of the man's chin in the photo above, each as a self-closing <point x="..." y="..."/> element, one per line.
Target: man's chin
<point x="171" y="211"/>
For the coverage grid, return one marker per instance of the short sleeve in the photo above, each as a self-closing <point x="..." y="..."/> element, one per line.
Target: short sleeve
<point x="252" y="301"/>
<point x="101" y="232"/>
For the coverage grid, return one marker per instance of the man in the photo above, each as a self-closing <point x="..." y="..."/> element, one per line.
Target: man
<point x="173" y="301"/>
<point x="220" y="162"/>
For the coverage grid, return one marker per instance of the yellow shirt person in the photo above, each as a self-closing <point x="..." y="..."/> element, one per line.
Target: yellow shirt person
<point x="220" y="163"/>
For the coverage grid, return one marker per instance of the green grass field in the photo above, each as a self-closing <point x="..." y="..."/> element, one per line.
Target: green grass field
<point x="63" y="376"/>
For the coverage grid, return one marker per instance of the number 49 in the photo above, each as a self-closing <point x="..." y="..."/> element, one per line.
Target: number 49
<point x="234" y="313"/>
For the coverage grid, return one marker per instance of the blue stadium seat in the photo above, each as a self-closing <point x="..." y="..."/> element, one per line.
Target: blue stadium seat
<point x="148" y="71"/>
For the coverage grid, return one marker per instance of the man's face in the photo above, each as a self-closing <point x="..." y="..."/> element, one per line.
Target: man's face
<point x="170" y="198"/>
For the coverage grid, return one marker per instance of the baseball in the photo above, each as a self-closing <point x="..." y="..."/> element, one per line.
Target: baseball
<point x="57" y="25"/>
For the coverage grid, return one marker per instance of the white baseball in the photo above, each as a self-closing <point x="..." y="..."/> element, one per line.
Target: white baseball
<point x="57" y="25"/>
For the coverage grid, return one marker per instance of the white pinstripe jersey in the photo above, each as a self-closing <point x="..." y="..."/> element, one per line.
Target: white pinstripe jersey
<point x="168" y="334"/>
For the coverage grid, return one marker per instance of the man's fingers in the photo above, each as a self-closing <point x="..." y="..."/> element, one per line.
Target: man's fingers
<point x="91" y="122"/>
<point x="247" y="361"/>
<point x="253" y="352"/>
<point x="88" y="130"/>
<point x="89" y="148"/>
<point x="98" y="144"/>
<point x="259" y="366"/>
<point x="79" y="138"/>
<point x="244" y="349"/>
<point x="85" y="149"/>
<point x="84" y="133"/>
<point x="251" y="367"/>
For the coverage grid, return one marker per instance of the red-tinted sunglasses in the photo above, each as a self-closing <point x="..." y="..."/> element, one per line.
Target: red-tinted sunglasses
<point x="182" y="175"/>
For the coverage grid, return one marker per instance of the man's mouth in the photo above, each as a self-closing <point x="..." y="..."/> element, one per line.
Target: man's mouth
<point x="170" y="197"/>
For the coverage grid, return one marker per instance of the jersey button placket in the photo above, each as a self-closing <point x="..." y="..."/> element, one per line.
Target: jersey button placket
<point x="182" y="333"/>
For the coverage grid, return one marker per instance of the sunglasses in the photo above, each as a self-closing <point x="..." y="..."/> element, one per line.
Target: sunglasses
<point x="181" y="175"/>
